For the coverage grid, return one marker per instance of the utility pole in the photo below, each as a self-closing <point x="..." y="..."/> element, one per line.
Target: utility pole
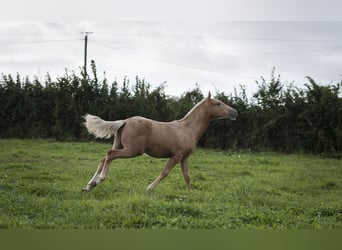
<point x="85" y="51"/>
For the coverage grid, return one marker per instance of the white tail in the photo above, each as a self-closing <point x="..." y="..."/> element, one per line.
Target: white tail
<point x="100" y="128"/>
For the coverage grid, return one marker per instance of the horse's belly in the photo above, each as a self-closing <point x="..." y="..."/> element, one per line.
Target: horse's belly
<point x="158" y="152"/>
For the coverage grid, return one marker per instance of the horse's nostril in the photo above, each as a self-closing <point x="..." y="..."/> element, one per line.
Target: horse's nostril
<point x="233" y="114"/>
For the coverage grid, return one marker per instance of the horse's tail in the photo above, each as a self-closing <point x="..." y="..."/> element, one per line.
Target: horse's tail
<point x="100" y="128"/>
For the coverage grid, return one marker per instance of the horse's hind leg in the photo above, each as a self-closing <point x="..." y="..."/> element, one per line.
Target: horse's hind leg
<point x="115" y="154"/>
<point x="92" y="183"/>
<point x="103" y="168"/>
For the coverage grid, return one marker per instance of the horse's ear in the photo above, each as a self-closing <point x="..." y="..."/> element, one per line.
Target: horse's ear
<point x="209" y="95"/>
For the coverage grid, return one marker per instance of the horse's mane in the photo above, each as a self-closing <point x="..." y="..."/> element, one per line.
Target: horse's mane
<point x="193" y="109"/>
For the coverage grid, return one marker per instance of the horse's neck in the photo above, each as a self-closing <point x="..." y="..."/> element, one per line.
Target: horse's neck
<point x="197" y="121"/>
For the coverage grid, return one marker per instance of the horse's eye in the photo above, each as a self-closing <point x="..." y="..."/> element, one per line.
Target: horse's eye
<point x="218" y="103"/>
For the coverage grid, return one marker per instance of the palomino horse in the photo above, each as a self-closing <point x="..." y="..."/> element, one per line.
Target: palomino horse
<point x="175" y="140"/>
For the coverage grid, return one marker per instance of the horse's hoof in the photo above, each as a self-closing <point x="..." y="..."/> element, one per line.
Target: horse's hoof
<point x="149" y="188"/>
<point x="89" y="187"/>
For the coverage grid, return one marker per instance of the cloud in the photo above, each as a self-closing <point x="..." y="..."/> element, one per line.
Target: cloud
<point x="175" y="10"/>
<point x="218" y="55"/>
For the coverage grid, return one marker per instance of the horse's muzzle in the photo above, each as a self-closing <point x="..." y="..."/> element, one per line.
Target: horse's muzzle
<point x="233" y="114"/>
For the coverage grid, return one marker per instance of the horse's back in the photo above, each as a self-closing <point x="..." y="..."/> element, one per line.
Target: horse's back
<point x="158" y="139"/>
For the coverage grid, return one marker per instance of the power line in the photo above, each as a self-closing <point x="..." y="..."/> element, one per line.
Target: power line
<point x="41" y="41"/>
<point x="242" y="52"/>
<point x="236" y="51"/>
<point x="273" y="39"/>
<point x="256" y="52"/>
<point x="38" y="33"/>
<point x="222" y="37"/>
<point x="171" y="62"/>
<point x="279" y="39"/>
<point x="41" y="34"/>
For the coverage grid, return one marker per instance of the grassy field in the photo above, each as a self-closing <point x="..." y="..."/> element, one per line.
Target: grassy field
<point x="41" y="181"/>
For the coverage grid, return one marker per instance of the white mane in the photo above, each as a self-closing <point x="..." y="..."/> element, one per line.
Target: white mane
<point x="193" y="109"/>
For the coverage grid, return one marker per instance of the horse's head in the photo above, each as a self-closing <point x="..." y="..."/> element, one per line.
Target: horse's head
<point x="218" y="109"/>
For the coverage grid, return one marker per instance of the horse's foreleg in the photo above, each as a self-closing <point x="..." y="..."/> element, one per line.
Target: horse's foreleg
<point x="171" y="163"/>
<point x="92" y="183"/>
<point x="185" y="170"/>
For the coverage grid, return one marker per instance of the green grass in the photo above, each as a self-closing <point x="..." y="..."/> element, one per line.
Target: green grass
<point x="41" y="181"/>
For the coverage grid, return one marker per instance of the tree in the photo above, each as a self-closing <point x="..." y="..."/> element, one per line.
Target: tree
<point x="323" y="117"/>
<point x="278" y="117"/>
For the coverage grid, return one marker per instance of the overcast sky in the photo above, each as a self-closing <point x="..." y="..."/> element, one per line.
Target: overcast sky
<point x="215" y="52"/>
